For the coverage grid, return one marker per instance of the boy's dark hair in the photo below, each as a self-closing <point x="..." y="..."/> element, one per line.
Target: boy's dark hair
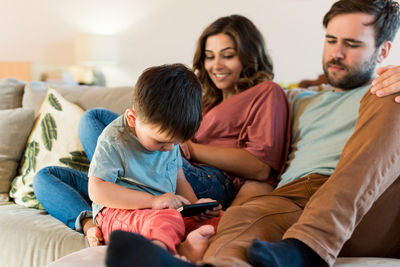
<point x="169" y="96"/>
<point x="386" y="12"/>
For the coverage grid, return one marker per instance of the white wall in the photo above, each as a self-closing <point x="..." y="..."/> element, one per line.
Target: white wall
<point x="154" y="32"/>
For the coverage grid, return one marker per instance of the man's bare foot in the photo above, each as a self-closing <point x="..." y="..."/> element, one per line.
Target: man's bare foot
<point x="92" y="232"/>
<point x="196" y="243"/>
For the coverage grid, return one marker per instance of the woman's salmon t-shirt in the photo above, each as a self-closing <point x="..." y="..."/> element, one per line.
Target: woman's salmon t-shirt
<point x="256" y="120"/>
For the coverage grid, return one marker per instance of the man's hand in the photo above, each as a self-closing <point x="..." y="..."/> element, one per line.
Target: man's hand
<point x="168" y="201"/>
<point x="387" y="82"/>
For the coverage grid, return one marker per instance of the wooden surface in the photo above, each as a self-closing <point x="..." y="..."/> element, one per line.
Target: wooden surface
<point x="20" y="70"/>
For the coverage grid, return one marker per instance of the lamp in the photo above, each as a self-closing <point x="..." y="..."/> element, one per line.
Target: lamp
<point x="93" y="51"/>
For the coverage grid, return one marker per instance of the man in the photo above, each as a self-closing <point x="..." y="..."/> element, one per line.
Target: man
<point x="341" y="180"/>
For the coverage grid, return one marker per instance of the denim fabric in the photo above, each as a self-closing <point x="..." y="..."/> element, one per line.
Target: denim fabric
<point x="209" y="182"/>
<point x="63" y="192"/>
<point x="91" y="125"/>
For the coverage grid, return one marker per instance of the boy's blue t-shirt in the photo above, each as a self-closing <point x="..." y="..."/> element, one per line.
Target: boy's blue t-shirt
<point x="120" y="158"/>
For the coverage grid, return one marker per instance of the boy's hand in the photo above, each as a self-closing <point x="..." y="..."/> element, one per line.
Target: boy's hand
<point x="208" y="214"/>
<point x="168" y="201"/>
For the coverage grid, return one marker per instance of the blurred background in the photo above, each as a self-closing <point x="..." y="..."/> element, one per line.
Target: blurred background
<point x="112" y="42"/>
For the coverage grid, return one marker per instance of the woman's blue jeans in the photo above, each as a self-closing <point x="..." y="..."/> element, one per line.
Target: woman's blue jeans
<point x="63" y="192"/>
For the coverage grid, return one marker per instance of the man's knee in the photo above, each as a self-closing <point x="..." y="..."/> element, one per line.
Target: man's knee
<point x="263" y="217"/>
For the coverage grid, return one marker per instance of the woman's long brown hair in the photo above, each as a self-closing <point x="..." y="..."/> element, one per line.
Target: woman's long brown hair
<point x="250" y="46"/>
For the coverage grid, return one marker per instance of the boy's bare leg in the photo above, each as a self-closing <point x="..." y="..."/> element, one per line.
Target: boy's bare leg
<point x="92" y="232"/>
<point x="196" y="243"/>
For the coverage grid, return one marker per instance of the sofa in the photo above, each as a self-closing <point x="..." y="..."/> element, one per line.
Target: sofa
<point x="29" y="235"/>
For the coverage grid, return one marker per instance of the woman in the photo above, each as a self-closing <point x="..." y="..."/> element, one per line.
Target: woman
<point x="242" y="139"/>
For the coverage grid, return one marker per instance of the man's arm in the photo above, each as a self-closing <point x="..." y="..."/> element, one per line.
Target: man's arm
<point x="387" y="82"/>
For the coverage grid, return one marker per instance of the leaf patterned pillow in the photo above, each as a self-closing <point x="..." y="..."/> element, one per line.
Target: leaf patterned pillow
<point x="54" y="141"/>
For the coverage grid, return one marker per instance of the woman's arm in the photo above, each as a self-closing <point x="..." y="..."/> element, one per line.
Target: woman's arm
<point x="233" y="160"/>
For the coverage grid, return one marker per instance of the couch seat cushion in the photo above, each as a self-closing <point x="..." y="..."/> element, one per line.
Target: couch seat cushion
<point x="94" y="257"/>
<point x="31" y="237"/>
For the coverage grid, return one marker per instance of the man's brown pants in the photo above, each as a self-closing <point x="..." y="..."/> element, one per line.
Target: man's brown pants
<point x="354" y="212"/>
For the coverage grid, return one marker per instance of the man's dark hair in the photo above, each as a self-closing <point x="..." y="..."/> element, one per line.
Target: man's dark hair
<point x="386" y="12"/>
<point x="169" y="96"/>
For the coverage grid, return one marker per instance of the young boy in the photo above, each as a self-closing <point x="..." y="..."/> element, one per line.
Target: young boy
<point x="136" y="181"/>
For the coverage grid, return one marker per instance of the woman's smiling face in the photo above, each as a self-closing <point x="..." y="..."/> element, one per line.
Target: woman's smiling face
<point x="222" y="62"/>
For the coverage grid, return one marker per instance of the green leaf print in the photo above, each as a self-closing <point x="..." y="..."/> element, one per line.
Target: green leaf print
<point x="29" y="197"/>
<point x="13" y="189"/>
<point x="31" y="201"/>
<point x="54" y="102"/>
<point x="78" y="161"/>
<point x="29" y="161"/>
<point x="49" y="131"/>
<point x="38" y="206"/>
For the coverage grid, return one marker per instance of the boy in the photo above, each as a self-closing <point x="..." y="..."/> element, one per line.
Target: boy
<point x="136" y="181"/>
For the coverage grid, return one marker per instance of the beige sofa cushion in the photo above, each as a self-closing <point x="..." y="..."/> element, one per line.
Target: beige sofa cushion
<point x="116" y="99"/>
<point x="15" y="126"/>
<point x="54" y="141"/>
<point x="95" y="257"/>
<point x="33" y="238"/>
<point x="11" y="91"/>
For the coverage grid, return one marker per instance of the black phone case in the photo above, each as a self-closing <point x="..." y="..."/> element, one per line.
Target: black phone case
<point x="196" y="209"/>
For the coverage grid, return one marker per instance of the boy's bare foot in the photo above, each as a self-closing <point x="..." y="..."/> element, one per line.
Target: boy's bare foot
<point x="92" y="232"/>
<point x="94" y="236"/>
<point x="196" y="243"/>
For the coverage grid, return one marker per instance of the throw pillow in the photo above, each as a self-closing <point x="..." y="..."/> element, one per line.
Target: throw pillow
<point x="54" y="141"/>
<point x="15" y="126"/>
<point x="11" y="91"/>
<point x="116" y="99"/>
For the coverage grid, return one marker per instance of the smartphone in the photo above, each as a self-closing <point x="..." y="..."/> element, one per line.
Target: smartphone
<point x="196" y="209"/>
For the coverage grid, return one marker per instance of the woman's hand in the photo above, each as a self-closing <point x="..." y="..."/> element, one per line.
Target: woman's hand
<point x="185" y="150"/>
<point x="168" y="201"/>
<point x="208" y="214"/>
<point x="388" y="82"/>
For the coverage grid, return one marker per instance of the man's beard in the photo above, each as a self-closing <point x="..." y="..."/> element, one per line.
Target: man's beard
<point x="356" y="76"/>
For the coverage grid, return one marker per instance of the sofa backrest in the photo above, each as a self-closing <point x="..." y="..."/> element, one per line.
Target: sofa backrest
<point x="116" y="99"/>
<point x="16" y="122"/>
